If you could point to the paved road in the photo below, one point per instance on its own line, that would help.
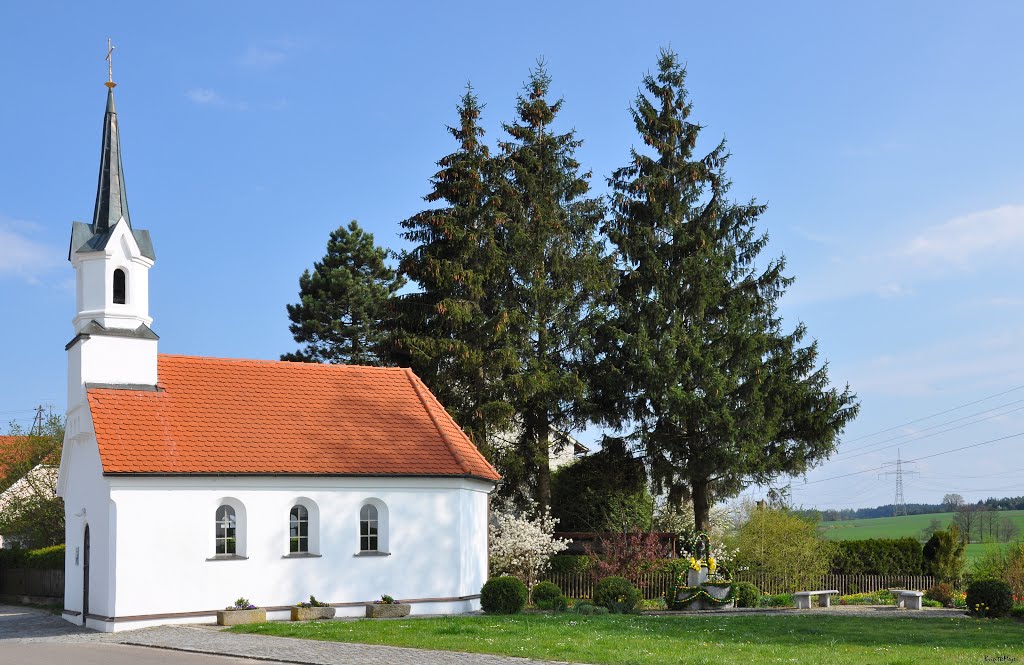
(34, 637)
(59, 653)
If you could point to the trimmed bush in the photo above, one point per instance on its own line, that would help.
(570, 563)
(587, 608)
(989, 598)
(941, 592)
(777, 600)
(556, 604)
(503, 595)
(617, 595)
(545, 592)
(746, 594)
(44, 558)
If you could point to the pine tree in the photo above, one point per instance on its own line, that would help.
(557, 270)
(696, 366)
(453, 331)
(343, 302)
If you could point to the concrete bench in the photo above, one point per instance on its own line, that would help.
(803, 598)
(907, 598)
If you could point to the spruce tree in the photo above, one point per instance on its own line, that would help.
(557, 271)
(696, 367)
(343, 302)
(453, 330)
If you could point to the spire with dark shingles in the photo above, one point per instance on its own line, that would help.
(111, 197)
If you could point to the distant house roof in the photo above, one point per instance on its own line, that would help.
(224, 416)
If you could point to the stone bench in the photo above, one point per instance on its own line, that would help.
(803, 598)
(907, 598)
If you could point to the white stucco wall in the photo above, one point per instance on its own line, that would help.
(436, 534)
(86, 496)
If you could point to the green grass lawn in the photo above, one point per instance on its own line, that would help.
(658, 640)
(907, 526)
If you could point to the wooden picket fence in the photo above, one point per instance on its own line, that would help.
(32, 583)
(844, 584)
(657, 584)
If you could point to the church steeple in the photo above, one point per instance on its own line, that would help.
(111, 196)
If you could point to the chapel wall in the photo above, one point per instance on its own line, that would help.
(436, 533)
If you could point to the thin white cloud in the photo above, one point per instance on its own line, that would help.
(261, 57)
(987, 238)
(974, 364)
(971, 238)
(205, 97)
(24, 256)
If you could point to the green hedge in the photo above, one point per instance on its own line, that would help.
(579, 563)
(878, 556)
(46, 558)
(570, 563)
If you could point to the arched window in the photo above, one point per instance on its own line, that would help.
(226, 532)
(119, 287)
(368, 528)
(298, 530)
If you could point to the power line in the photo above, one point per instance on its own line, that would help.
(899, 505)
(917, 459)
(940, 413)
(926, 436)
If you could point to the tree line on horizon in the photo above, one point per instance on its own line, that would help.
(537, 308)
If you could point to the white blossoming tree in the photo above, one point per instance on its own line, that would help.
(521, 545)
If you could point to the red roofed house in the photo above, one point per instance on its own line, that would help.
(189, 482)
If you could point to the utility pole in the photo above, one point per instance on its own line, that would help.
(37, 422)
(899, 506)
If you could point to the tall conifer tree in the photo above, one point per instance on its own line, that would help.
(697, 368)
(343, 302)
(454, 330)
(557, 270)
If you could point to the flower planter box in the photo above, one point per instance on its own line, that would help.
(238, 617)
(312, 613)
(387, 610)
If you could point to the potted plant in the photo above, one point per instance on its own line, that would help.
(387, 608)
(314, 609)
(241, 612)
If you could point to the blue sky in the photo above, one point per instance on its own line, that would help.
(885, 137)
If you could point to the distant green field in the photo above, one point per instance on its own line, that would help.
(908, 526)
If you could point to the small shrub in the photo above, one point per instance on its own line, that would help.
(241, 604)
(313, 602)
(1017, 611)
(545, 592)
(989, 598)
(777, 600)
(570, 563)
(928, 602)
(587, 608)
(556, 604)
(941, 592)
(617, 595)
(747, 595)
(503, 595)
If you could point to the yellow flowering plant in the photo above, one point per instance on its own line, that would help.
(694, 563)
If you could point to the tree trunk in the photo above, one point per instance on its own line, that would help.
(544, 469)
(701, 505)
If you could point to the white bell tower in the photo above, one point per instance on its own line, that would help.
(113, 343)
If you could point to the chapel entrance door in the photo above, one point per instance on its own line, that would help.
(85, 575)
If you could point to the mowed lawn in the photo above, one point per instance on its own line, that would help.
(658, 640)
(908, 526)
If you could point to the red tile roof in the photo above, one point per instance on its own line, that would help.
(216, 415)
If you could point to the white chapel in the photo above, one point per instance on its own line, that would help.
(189, 481)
